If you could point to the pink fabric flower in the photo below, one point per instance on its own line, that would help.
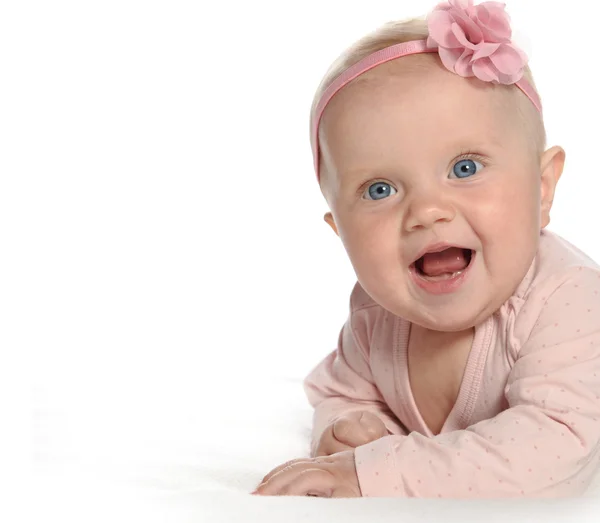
(476, 41)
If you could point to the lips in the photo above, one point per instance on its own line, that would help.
(438, 247)
(442, 272)
(448, 261)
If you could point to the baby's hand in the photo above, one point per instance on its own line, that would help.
(326, 477)
(349, 431)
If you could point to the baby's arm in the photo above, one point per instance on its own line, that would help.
(547, 443)
(343, 383)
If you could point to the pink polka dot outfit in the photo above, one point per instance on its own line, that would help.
(527, 418)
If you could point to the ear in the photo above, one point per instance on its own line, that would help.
(329, 219)
(551, 167)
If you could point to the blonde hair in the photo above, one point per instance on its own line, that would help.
(404, 31)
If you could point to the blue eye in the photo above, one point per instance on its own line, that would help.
(466, 168)
(379, 189)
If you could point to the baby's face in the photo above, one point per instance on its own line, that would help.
(428, 157)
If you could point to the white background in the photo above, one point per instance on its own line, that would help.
(162, 233)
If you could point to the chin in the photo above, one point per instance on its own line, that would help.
(444, 322)
(447, 326)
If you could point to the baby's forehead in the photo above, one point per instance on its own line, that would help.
(421, 81)
(420, 96)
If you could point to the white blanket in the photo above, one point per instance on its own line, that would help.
(180, 463)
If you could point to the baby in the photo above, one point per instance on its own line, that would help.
(469, 365)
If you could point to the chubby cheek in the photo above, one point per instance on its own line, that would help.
(508, 227)
(373, 249)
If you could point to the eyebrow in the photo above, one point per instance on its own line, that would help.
(487, 148)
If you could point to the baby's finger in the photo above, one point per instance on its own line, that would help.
(351, 432)
(328, 446)
(301, 480)
(359, 429)
(281, 467)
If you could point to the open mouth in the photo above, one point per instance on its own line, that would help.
(443, 265)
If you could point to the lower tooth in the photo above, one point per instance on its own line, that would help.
(446, 277)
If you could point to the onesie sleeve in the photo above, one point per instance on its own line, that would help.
(546, 443)
(343, 381)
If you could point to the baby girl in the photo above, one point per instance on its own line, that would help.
(469, 365)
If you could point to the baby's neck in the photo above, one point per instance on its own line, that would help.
(431, 339)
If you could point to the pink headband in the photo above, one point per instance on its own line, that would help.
(470, 40)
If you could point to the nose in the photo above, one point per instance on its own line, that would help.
(426, 210)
